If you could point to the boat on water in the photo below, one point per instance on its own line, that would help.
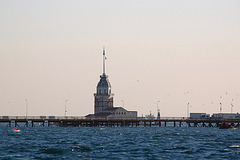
(225, 126)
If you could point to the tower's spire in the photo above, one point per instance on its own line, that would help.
(104, 58)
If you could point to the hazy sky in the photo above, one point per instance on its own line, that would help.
(173, 51)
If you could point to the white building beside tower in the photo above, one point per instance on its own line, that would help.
(103, 100)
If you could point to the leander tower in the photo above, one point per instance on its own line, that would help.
(103, 96)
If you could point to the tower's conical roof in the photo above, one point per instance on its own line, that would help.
(104, 82)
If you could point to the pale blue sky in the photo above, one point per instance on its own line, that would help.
(51, 51)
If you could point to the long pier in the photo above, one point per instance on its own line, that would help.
(43, 121)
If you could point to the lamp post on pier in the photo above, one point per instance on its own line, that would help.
(158, 111)
(220, 107)
(66, 108)
(26, 108)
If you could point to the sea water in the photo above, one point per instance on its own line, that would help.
(119, 143)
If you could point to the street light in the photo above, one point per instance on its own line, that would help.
(188, 107)
(66, 108)
(123, 103)
(26, 108)
(221, 116)
(220, 107)
(158, 111)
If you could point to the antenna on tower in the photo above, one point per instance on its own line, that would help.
(104, 58)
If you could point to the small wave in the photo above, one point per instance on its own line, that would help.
(82, 148)
(180, 148)
(224, 150)
(82, 156)
(59, 142)
(234, 146)
(189, 152)
(53, 151)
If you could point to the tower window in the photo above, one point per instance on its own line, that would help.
(105, 91)
(100, 91)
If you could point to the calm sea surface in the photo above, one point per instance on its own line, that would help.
(119, 143)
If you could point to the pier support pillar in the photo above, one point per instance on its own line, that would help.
(203, 124)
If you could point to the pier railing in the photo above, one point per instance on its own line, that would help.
(42, 117)
(82, 117)
(114, 118)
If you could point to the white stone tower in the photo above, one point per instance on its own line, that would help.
(104, 96)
